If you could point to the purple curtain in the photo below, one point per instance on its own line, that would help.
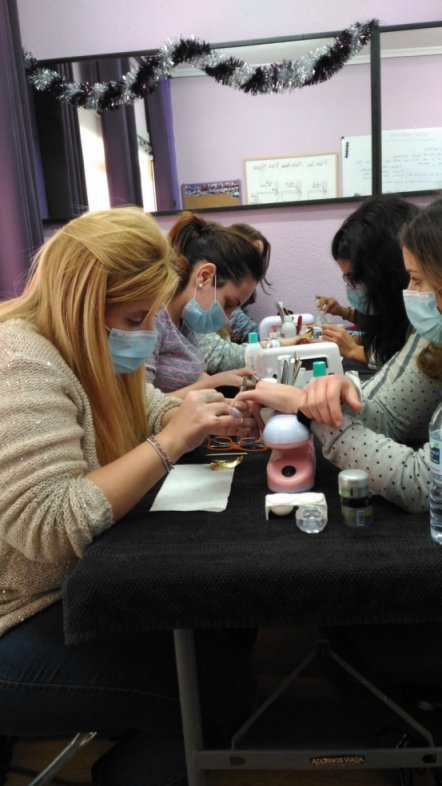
(119, 137)
(20, 224)
(160, 123)
(58, 154)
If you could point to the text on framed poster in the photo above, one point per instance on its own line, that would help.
(291, 179)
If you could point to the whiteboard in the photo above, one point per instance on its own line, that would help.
(411, 161)
(291, 179)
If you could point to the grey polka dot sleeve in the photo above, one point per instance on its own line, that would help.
(398, 403)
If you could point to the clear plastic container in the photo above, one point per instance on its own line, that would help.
(311, 518)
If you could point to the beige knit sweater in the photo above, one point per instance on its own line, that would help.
(49, 511)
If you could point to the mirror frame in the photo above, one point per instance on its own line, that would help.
(376, 118)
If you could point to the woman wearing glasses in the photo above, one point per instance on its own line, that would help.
(385, 431)
(368, 253)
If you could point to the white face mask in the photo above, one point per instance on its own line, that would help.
(421, 308)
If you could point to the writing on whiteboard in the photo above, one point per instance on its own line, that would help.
(411, 161)
(290, 179)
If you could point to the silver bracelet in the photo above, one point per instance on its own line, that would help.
(167, 461)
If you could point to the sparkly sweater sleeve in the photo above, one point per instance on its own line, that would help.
(49, 510)
(157, 405)
(220, 354)
(398, 412)
(241, 324)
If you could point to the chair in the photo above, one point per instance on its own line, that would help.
(45, 776)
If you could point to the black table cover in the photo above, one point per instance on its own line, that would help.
(169, 570)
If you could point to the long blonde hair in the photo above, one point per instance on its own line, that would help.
(96, 260)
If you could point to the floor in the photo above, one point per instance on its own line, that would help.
(311, 713)
(33, 755)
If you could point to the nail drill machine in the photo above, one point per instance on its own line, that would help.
(292, 463)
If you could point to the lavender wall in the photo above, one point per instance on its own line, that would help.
(301, 263)
(68, 28)
(409, 85)
(232, 127)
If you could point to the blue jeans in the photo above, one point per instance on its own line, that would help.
(126, 688)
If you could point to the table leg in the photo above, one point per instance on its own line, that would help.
(189, 702)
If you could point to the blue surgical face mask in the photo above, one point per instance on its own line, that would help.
(204, 321)
(130, 348)
(357, 297)
(421, 308)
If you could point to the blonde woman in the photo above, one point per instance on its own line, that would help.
(82, 440)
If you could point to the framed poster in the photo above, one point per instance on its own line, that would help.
(221, 193)
(291, 179)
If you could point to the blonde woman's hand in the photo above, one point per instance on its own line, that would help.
(205, 412)
(323, 397)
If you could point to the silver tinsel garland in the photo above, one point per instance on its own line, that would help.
(317, 66)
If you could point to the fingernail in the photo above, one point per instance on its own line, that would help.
(235, 412)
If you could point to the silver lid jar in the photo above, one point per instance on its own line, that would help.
(353, 483)
(356, 501)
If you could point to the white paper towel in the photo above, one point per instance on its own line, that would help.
(195, 487)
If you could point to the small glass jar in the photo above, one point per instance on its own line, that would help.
(356, 500)
(311, 518)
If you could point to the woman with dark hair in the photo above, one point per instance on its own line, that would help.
(383, 427)
(367, 250)
(218, 270)
(241, 323)
(225, 350)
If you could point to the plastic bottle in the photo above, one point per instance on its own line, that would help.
(288, 328)
(436, 475)
(317, 327)
(253, 348)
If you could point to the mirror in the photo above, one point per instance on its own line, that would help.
(197, 144)
(281, 147)
(411, 65)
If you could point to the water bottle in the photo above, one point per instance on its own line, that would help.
(436, 475)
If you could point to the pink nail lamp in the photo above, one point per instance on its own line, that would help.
(292, 463)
